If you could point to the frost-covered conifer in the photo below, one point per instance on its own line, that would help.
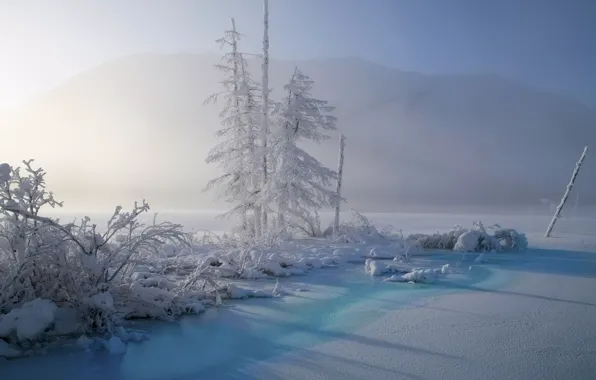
(300, 185)
(236, 154)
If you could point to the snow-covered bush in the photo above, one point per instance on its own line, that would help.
(359, 229)
(476, 239)
(510, 239)
(76, 266)
(438, 240)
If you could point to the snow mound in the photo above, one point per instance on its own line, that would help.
(428, 276)
(378, 268)
(84, 341)
(8, 350)
(476, 239)
(30, 321)
(114, 346)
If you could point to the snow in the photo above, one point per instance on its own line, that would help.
(515, 315)
(84, 341)
(8, 350)
(467, 242)
(114, 346)
(101, 301)
(29, 321)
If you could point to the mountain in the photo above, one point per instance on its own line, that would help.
(136, 127)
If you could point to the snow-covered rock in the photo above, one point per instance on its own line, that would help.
(114, 346)
(328, 262)
(236, 292)
(66, 321)
(378, 268)
(8, 350)
(421, 275)
(29, 321)
(273, 268)
(261, 294)
(196, 307)
(315, 263)
(84, 341)
(374, 268)
(445, 269)
(468, 242)
(377, 253)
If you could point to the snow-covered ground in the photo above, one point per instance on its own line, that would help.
(518, 315)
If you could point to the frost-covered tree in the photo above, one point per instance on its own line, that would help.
(237, 153)
(301, 184)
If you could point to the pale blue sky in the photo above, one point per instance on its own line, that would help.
(547, 43)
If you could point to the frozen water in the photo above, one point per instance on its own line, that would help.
(221, 342)
(517, 315)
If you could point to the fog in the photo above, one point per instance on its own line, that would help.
(135, 127)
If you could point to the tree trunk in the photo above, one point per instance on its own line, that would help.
(340, 171)
(265, 110)
(566, 195)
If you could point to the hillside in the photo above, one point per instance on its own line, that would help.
(136, 127)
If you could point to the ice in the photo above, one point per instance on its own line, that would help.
(514, 316)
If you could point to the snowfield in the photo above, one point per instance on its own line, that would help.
(341, 310)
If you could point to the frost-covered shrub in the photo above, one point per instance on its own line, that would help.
(76, 266)
(309, 223)
(438, 240)
(476, 239)
(511, 240)
(359, 229)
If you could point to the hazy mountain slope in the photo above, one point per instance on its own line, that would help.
(137, 127)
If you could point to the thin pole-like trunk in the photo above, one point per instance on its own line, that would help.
(265, 104)
(340, 171)
(235, 73)
(566, 195)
